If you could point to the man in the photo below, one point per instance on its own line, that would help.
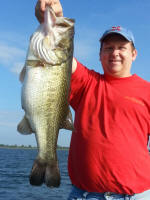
(108, 157)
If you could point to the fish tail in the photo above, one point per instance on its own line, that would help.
(43, 172)
(52, 174)
(37, 172)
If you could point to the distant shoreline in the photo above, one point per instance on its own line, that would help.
(27, 147)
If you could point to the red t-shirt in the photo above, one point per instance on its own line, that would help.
(108, 150)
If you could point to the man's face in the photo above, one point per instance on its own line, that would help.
(117, 55)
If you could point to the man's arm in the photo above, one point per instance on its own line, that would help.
(74, 65)
(56, 6)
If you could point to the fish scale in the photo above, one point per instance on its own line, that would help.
(45, 93)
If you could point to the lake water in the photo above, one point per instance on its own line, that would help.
(15, 167)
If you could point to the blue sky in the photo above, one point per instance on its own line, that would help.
(17, 23)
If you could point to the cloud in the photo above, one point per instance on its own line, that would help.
(17, 67)
(14, 38)
(12, 51)
(11, 57)
(9, 53)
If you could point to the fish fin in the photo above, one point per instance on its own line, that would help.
(68, 123)
(37, 173)
(43, 172)
(24, 127)
(22, 74)
(52, 174)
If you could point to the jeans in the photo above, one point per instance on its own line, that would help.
(78, 194)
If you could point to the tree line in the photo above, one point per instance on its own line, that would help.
(28, 146)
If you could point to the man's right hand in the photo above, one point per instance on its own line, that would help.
(41, 5)
(56, 6)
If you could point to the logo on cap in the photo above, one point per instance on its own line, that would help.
(116, 28)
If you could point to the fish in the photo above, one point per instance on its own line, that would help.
(45, 91)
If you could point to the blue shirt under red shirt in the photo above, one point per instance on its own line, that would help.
(108, 150)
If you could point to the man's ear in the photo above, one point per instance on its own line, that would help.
(134, 54)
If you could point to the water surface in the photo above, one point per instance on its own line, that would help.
(15, 167)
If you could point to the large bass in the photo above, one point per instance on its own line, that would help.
(45, 91)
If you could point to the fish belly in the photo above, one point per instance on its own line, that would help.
(45, 101)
